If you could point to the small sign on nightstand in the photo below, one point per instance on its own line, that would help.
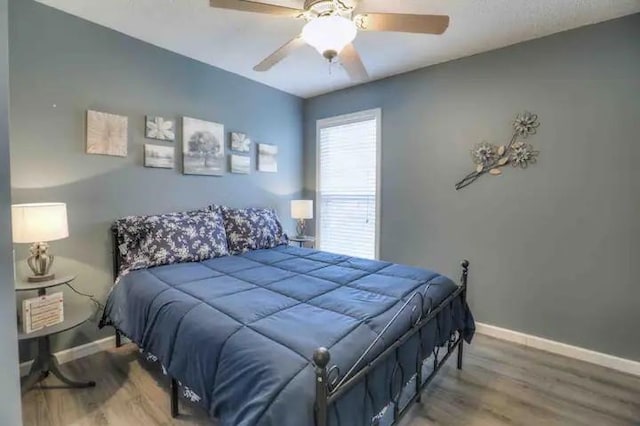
(42, 311)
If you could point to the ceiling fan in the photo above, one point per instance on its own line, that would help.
(332, 25)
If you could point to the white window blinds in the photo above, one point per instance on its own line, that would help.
(347, 185)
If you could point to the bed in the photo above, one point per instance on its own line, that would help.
(290, 336)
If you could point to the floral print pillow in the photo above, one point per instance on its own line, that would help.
(146, 241)
(251, 229)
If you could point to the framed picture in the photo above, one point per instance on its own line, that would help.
(159, 157)
(240, 142)
(159, 128)
(203, 147)
(240, 164)
(267, 158)
(107, 134)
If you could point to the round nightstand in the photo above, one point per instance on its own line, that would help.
(304, 240)
(46, 362)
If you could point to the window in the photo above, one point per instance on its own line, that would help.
(348, 179)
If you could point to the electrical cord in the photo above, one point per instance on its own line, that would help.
(95, 301)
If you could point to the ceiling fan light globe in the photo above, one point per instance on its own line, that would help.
(329, 34)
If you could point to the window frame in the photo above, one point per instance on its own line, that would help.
(340, 120)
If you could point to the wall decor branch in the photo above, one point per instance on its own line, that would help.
(490, 158)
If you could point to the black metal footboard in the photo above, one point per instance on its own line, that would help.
(329, 387)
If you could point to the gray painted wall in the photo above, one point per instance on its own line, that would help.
(552, 247)
(60, 60)
(10, 413)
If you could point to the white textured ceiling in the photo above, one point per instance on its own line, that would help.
(236, 41)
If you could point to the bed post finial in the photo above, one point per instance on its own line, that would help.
(465, 271)
(321, 358)
(463, 295)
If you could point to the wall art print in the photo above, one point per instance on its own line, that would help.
(490, 158)
(240, 142)
(107, 134)
(159, 157)
(203, 147)
(267, 158)
(162, 129)
(240, 164)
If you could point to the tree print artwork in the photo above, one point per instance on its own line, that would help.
(203, 147)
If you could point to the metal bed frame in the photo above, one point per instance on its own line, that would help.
(330, 387)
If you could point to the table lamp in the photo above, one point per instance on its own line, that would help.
(38, 224)
(301, 210)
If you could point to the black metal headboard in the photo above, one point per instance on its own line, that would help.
(115, 250)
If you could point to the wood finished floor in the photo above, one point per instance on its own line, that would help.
(501, 384)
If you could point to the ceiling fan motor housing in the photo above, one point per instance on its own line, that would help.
(308, 4)
(328, 7)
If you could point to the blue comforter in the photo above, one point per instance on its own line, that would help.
(240, 331)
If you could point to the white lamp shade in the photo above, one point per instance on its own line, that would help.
(39, 222)
(302, 209)
(329, 33)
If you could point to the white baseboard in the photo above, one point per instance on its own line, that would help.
(76, 352)
(598, 358)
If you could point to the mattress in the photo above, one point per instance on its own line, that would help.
(239, 332)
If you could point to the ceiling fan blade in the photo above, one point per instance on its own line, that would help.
(279, 54)
(252, 6)
(400, 22)
(352, 63)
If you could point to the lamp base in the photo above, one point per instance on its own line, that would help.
(300, 227)
(40, 278)
(40, 263)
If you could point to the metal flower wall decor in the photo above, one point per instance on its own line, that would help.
(490, 158)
